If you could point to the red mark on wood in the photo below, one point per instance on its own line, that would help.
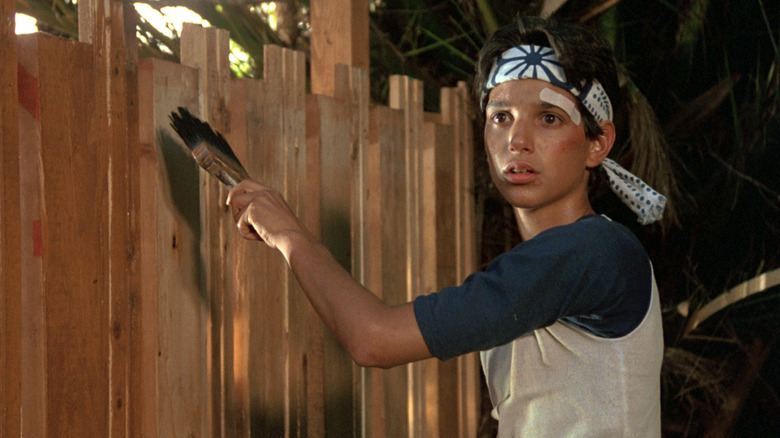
(28, 92)
(37, 239)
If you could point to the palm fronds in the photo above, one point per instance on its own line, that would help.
(58, 17)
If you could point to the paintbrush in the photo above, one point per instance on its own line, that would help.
(209, 148)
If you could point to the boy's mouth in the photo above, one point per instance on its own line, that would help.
(518, 168)
(519, 173)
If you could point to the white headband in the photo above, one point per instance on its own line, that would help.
(539, 62)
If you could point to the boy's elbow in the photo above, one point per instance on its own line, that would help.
(368, 360)
(367, 354)
(385, 342)
(370, 351)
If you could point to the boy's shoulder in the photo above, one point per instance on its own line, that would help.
(594, 234)
(595, 226)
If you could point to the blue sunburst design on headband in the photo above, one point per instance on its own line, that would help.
(536, 62)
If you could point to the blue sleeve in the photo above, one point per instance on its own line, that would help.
(593, 274)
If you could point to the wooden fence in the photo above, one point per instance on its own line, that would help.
(130, 306)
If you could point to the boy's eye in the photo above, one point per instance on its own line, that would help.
(499, 117)
(550, 118)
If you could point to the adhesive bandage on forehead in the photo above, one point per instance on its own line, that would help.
(539, 62)
(553, 97)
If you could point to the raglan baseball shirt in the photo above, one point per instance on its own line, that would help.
(569, 329)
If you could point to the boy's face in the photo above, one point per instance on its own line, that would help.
(536, 147)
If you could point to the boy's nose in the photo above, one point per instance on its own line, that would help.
(519, 139)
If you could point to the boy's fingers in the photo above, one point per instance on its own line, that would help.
(246, 228)
(234, 202)
(247, 231)
(242, 187)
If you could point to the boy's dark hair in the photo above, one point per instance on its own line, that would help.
(583, 54)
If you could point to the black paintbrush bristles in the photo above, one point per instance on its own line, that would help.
(209, 148)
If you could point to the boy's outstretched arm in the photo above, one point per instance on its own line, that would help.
(374, 334)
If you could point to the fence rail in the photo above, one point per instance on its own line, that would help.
(130, 306)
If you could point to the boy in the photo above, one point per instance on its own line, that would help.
(568, 322)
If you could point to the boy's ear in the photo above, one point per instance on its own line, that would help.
(600, 146)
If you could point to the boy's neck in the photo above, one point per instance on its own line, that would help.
(532, 222)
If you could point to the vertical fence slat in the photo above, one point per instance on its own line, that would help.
(305, 336)
(145, 306)
(122, 133)
(429, 276)
(11, 318)
(406, 94)
(173, 303)
(329, 124)
(245, 94)
(271, 308)
(340, 35)
(387, 135)
(352, 86)
(258, 138)
(455, 112)
(95, 29)
(103, 25)
(367, 223)
(33, 353)
(72, 222)
(207, 50)
(446, 188)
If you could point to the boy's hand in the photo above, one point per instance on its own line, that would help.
(261, 213)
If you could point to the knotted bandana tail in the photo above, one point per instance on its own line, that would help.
(642, 199)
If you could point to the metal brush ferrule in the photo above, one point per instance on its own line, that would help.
(215, 166)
